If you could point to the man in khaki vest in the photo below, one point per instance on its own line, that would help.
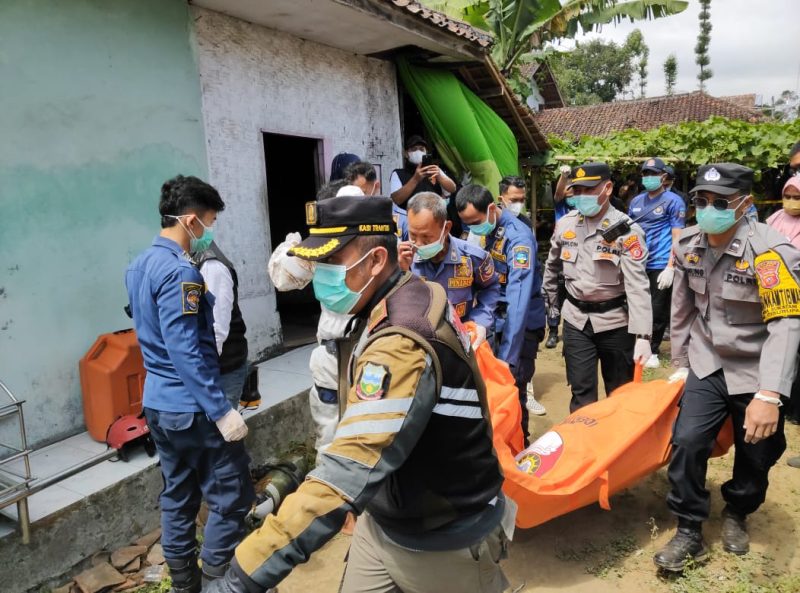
(412, 454)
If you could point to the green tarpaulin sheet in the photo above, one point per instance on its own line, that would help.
(468, 135)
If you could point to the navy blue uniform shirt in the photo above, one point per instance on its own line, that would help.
(174, 322)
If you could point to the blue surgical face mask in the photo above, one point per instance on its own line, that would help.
(715, 222)
(330, 286)
(431, 249)
(587, 205)
(651, 182)
(483, 228)
(201, 243)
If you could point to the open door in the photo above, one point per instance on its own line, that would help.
(294, 171)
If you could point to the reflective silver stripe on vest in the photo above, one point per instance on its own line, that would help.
(458, 411)
(381, 406)
(369, 427)
(461, 394)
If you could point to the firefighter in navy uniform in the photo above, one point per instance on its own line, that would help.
(413, 452)
(734, 334)
(607, 313)
(197, 434)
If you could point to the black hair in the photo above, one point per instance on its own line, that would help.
(509, 181)
(795, 149)
(181, 195)
(389, 242)
(360, 169)
(474, 194)
(330, 189)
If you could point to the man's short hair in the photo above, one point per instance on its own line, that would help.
(388, 241)
(511, 181)
(180, 195)
(427, 200)
(795, 149)
(330, 189)
(360, 169)
(474, 194)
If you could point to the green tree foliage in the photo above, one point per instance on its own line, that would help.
(702, 58)
(670, 73)
(639, 53)
(593, 72)
(760, 146)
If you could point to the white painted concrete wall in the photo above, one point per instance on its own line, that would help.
(255, 80)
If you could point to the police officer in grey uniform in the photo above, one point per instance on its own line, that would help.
(607, 314)
(734, 335)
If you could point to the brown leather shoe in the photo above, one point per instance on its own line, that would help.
(734, 533)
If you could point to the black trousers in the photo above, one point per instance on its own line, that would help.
(704, 407)
(661, 301)
(582, 350)
(524, 370)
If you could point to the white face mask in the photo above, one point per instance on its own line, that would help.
(415, 156)
(515, 208)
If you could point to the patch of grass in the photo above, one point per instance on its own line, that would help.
(735, 575)
(601, 559)
(162, 587)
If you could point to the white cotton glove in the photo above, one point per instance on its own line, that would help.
(288, 272)
(480, 336)
(665, 278)
(679, 375)
(232, 426)
(641, 351)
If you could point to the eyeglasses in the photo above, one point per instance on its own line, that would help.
(718, 203)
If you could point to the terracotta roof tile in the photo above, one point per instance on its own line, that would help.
(644, 114)
(460, 28)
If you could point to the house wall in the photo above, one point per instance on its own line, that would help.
(255, 79)
(100, 104)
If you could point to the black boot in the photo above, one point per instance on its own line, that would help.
(212, 573)
(185, 575)
(734, 533)
(250, 397)
(686, 543)
(552, 338)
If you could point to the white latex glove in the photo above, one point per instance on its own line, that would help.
(679, 375)
(288, 272)
(480, 336)
(293, 239)
(565, 169)
(641, 351)
(232, 426)
(665, 278)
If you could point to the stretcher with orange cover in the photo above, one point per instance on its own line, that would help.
(592, 454)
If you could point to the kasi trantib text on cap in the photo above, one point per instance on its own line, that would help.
(334, 222)
(589, 174)
(723, 178)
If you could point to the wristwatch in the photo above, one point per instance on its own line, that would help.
(643, 337)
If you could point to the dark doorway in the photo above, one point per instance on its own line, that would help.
(294, 174)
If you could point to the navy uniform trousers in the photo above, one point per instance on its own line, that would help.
(704, 406)
(197, 463)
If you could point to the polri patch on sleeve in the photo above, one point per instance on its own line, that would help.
(634, 247)
(521, 257)
(777, 286)
(373, 381)
(190, 297)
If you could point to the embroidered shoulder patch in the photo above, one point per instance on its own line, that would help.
(777, 287)
(522, 257)
(634, 247)
(373, 381)
(190, 297)
(486, 269)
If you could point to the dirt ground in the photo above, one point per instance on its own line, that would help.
(591, 550)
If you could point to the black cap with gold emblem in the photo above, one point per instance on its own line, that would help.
(589, 174)
(333, 223)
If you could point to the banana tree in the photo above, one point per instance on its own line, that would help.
(522, 27)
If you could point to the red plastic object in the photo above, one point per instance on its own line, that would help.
(112, 381)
